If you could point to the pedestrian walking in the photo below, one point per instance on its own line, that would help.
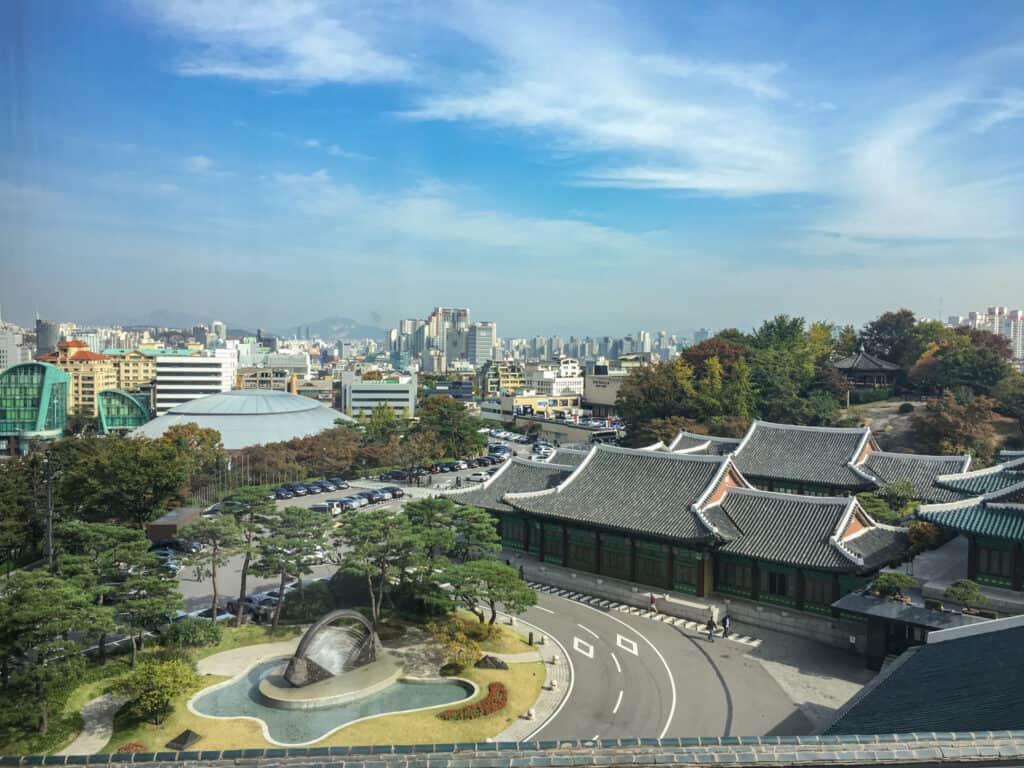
(726, 625)
(522, 573)
(654, 603)
(711, 627)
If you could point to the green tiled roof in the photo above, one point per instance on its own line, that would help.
(982, 481)
(979, 517)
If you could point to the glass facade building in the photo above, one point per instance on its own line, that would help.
(121, 411)
(33, 405)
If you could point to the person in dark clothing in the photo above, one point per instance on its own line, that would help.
(522, 573)
(726, 625)
(711, 627)
(654, 603)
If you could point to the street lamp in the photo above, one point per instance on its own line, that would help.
(50, 475)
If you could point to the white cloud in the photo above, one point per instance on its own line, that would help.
(685, 123)
(311, 143)
(1006, 107)
(198, 164)
(287, 41)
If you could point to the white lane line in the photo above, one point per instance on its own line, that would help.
(618, 701)
(587, 629)
(617, 665)
(542, 608)
(671, 677)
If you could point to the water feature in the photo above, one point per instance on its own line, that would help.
(241, 698)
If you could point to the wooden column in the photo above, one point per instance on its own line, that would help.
(801, 583)
(565, 545)
(632, 559)
(972, 558)
(671, 579)
(540, 543)
(755, 580)
(702, 566)
(597, 553)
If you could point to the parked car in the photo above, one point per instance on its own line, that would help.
(282, 494)
(327, 485)
(479, 477)
(339, 481)
(252, 604)
(419, 471)
(222, 614)
(297, 489)
(395, 491)
(314, 488)
(349, 504)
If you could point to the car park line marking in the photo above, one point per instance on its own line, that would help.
(627, 644)
(618, 701)
(587, 629)
(582, 647)
(617, 665)
(542, 608)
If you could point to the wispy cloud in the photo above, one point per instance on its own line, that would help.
(679, 122)
(297, 42)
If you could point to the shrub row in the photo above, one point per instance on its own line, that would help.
(496, 699)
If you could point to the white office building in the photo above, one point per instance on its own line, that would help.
(182, 378)
(481, 343)
(360, 396)
(13, 349)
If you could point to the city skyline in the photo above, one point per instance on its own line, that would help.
(610, 168)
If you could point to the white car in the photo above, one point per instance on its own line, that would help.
(479, 477)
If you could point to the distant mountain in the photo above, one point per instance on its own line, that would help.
(332, 328)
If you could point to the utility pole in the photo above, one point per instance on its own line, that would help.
(49, 510)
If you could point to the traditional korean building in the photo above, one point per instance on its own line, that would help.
(688, 523)
(992, 521)
(815, 461)
(690, 442)
(923, 472)
(864, 371)
(570, 457)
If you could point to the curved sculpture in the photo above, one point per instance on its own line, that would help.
(325, 651)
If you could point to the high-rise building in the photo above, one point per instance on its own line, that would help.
(1002, 321)
(135, 370)
(47, 337)
(219, 330)
(13, 349)
(481, 342)
(182, 378)
(90, 372)
(701, 335)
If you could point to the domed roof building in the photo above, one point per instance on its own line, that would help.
(246, 417)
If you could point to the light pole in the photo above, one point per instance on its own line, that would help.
(49, 508)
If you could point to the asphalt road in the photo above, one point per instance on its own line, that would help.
(633, 677)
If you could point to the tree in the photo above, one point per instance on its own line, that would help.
(893, 583)
(202, 448)
(99, 558)
(455, 428)
(986, 340)
(898, 494)
(294, 536)
(847, 344)
(965, 592)
(255, 514)
(377, 545)
(978, 369)
(821, 341)
(219, 537)
(656, 391)
(124, 480)
(38, 613)
(782, 331)
(891, 337)
(490, 582)
(152, 687)
(739, 397)
(1009, 394)
(725, 351)
(151, 598)
(381, 424)
(710, 391)
(948, 426)
(460, 650)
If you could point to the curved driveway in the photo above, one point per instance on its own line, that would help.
(635, 677)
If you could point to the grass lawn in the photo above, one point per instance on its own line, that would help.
(523, 681)
(247, 634)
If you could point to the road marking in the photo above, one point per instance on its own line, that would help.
(582, 646)
(661, 657)
(587, 629)
(596, 737)
(617, 665)
(572, 680)
(542, 608)
(627, 644)
(618, 701)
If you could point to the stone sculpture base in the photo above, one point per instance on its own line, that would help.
(278, 692)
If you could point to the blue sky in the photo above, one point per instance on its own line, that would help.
(575, 167)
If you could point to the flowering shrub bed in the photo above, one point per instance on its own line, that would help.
(496, 699)
(131, 746)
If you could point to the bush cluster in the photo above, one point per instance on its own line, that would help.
(131, 747)
(192, 633)
(496, 699)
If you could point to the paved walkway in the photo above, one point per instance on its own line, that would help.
(550, 699)
(97, 726)
(238, 660)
